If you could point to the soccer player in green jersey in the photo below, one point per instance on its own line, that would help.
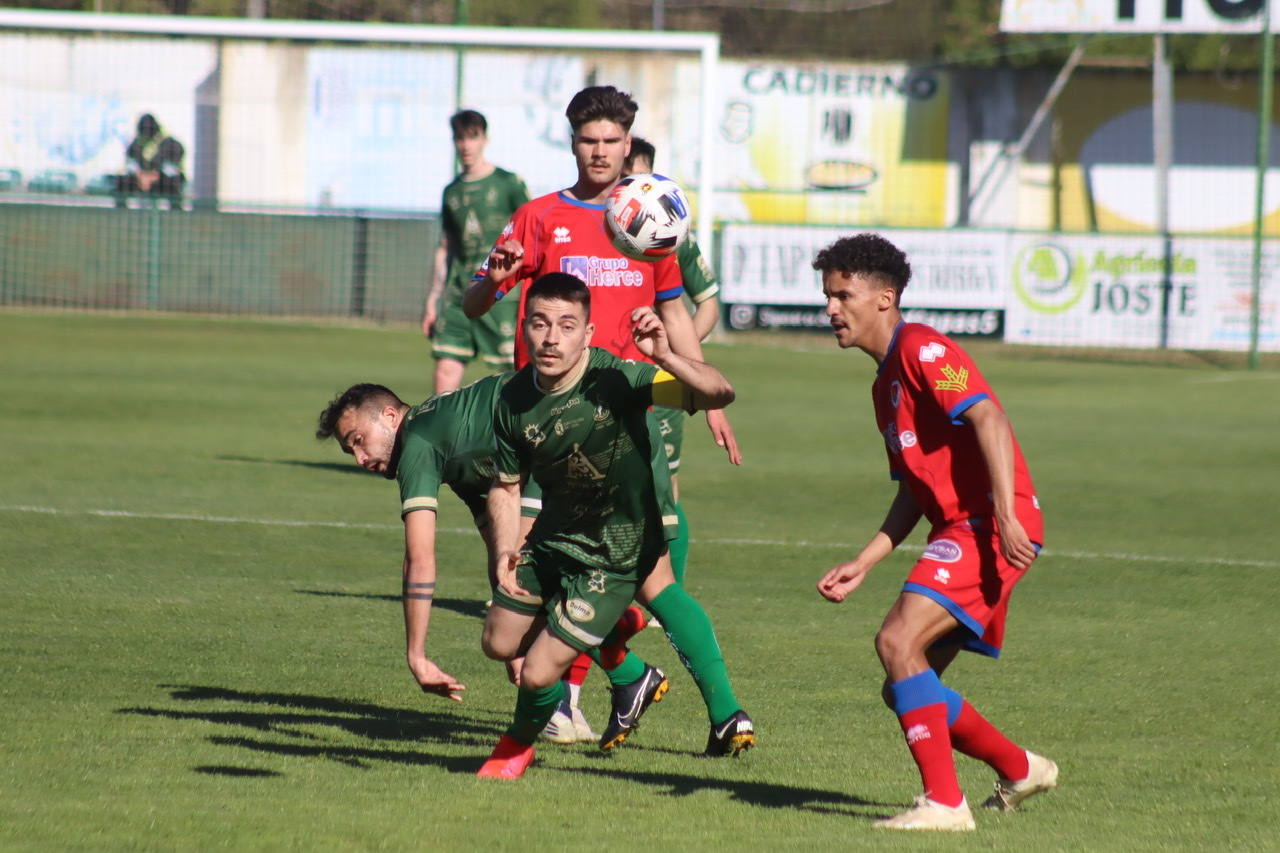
(446, 440)
(576, 422)
(475, 207)
(701, 286)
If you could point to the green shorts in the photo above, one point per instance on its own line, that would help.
(671, 425)
(581, 603)
(492, 336)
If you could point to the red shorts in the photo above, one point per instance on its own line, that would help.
(963, 570)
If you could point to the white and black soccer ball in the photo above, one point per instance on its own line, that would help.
(647, 217)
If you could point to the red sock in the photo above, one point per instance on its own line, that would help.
(631, 623)
(578, 669)
(975, 737)
(930, 744)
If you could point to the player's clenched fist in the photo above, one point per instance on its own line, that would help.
(505, 259)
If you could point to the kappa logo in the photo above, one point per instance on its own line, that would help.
(907, 439)
(918, 732)
(560, 234)
(895, 393)
(932, 351)
(943, 551)
(579, 610)
(942, 576)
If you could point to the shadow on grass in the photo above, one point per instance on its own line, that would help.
(340, 467)
(227, 770)
(461, 606)
(752, 793)
(295, 716)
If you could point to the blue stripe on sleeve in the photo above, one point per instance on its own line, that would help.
(671, 293)
(964, 405)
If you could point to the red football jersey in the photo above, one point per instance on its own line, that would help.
(561, 234)
(922, 387)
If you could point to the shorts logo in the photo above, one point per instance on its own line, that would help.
(601, 414)
(932, 351)
(597, 582)
(918, 732)
(908, 438)
(943, 551)
(954, 380)
(895, 393)
(670, 449)
(560, 234)
(942, 576)
(579, 610)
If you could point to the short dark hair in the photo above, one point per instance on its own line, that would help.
(596, 103)
(641, 147)
(866, 254)
(467, 120)
(560, 285)
(363, 395)
(148, 126)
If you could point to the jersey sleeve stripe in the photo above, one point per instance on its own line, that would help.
(531, 503)
(418, 503)
(964, 405)
(670, 293)
(507, 478)
(703, 296)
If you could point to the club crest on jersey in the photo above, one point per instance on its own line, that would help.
(943, 551)
(596, 582)
(560, 234)
(895, 393)
(953, 379)
(602, 272)
(932, 351)
(601, 415)
(534, 434)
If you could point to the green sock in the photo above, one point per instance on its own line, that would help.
(627, 672)
(680, 546)
(691, 635)
(533, 709)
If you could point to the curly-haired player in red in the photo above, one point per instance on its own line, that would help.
(952, 450)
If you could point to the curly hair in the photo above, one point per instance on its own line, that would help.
(866, 254)
(597, 103)
(363, 395)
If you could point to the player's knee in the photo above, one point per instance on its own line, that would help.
(886, 694)
(893, 645)
(496, 646)
(537, 678)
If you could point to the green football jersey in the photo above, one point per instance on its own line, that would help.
(473, 214)
(448, 440)
(699, 279)
(591, 449)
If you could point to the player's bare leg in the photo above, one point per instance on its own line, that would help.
(691, 634)
(448, 375)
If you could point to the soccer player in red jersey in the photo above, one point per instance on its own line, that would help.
(563, 232)
(952, 450)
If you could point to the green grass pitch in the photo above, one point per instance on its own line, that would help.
(202, 646)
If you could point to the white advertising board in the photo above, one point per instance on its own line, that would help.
(772, 265)
(1106, 291)
(1135, 16)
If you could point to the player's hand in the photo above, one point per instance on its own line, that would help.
(505, 260)
(840, 581)
(649, 334)
(722, 432)
(506, 573)
(429, 323)
(1015, 544)
(433, 679)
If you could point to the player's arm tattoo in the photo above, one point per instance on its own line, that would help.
(420, 591)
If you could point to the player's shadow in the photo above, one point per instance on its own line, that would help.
(765, 794)
(340, 467)
(300, 719)
(461, 606)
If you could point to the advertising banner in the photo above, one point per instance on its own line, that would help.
(1135, 16)
(833, 143)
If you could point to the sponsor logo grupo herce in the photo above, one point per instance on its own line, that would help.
(943, 551)
(602, 272)
(1047, 279)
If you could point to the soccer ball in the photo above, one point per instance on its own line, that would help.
(646, 217)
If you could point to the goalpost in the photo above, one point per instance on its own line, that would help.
(341, 119)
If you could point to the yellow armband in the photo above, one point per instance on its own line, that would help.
(671, 392)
